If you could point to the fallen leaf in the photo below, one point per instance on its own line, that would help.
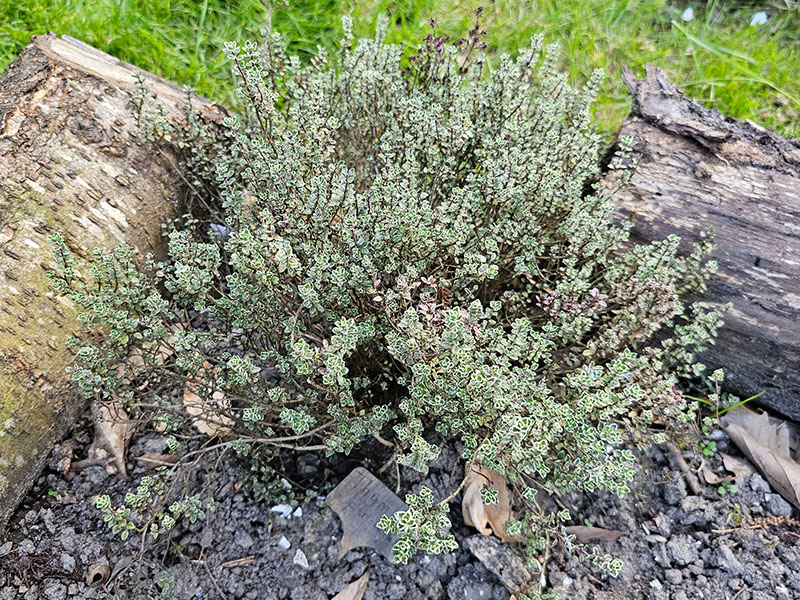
(768, 443)
(207, 416)
(97, 573)
(740, 467)
(487, 518)
(583, 533)
(136, 365)
(355, 590)
(112, 430)
(711, 477)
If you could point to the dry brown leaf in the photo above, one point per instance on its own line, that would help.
(206, 416)
(768, 443)
(711, 477)
(487, 518)
(740, 467)
(135, 363)
(583, 533)
(354, 590)
(112, 430)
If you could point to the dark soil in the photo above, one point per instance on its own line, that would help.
(676, 545)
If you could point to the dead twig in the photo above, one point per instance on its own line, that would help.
(679, 464)
(238, 562)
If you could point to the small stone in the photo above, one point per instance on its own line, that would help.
(654, 538)
(298, 513)
(674, 492)
(478, 591)
(656, 584)
(718, 435)
(695, 511)
(207, 540)
(673, 576)
(664, 524)
(759, 18)
(778, 506)
(283, 510)
(67, 562)
(26, 547)
(243, 539)
(682, 549)
(284, 543)
(54, 591)
(300, 559)
(758, 483)
(395, 591)
(49, 520)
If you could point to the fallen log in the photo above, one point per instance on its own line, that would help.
(698, 170)
(71, 161)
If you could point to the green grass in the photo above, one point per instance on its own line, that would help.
(746, 72)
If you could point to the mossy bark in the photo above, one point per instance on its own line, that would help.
(71, 160)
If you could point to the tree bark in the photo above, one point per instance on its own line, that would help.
(698, 170)
(71, 161)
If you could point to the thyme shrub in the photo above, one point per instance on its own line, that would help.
(410, 244)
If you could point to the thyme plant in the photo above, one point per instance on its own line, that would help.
(409, 243)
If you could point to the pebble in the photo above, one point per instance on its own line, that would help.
(243, 539)
(758, 483)
(674, 492)
(478, 591)
(283, 510)
(54, 591)
(26, 547)
(284, 543)
(682, 549)
(298, 513)
(673, 576)
(300, 559)
(777, 506)
(718, 435)
(67, 562)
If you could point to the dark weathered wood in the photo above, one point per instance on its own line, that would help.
(71, 161)
(697, 170)
(361, 500)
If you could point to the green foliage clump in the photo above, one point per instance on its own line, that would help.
(410, 244)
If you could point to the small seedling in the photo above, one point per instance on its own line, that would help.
(727, 487)
(708, 448)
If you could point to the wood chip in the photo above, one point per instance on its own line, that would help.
(361, 500)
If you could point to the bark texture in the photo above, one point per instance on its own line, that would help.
(698, 170)
(70, 161)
